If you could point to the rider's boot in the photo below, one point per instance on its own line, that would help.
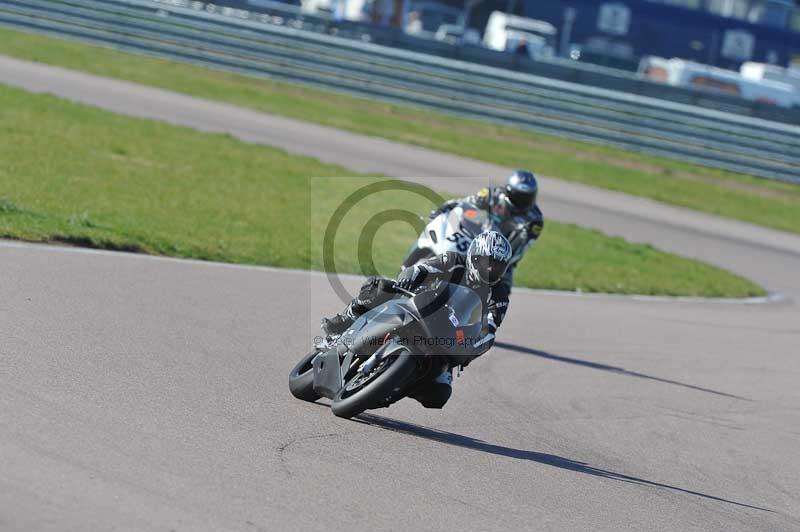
(436, 393)
(337, 324)
(374, 291)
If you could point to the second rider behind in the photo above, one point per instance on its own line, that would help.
(485, 264)
(515, 201)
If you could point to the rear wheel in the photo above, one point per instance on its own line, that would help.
(301, 378)
(362, 391)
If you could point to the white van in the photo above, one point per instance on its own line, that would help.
(337, 9)
(688, 74)
(424, 19)
(763, 71)
(506, 32)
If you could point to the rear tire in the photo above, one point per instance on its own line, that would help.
(301, 379)
(398, 369)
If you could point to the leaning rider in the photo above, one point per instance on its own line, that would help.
(515, 201)
(481, 270)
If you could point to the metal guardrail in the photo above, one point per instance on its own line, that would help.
(266, 48)
(606, 77)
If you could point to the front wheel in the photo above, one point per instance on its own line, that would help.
(301, 379)
(362, 392)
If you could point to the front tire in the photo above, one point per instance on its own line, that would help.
(301, 379)
(357, 396)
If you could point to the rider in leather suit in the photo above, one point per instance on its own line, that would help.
(481, 269)
(516, 202)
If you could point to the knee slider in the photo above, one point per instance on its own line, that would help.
(435, 396)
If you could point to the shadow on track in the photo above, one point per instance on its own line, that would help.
(451, 438)
(612, 369)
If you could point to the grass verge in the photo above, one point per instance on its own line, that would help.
(76, 174)
(746, 198)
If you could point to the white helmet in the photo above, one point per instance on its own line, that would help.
(488, 258)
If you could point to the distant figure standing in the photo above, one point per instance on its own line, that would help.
(413, 22)
(522, 47)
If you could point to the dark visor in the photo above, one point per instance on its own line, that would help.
(489, 269)
(522, 200)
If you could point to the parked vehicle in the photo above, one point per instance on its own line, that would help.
(512, 33)
(763, 71)
(424, 19)
(456, 34)
(682, 73)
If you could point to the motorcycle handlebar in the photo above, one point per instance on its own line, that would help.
(403, 290)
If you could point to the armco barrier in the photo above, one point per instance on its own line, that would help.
(284, 48)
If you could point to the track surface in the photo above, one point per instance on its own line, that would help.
(139, 393)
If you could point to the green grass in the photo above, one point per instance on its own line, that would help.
(77, 174)
(759, 201)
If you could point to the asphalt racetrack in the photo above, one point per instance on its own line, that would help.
(142, 393)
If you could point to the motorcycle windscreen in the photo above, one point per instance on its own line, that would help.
(465, 305)
(473, 221)
(371, 329)
(450, 319)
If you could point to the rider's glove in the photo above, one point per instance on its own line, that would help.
(410, 277)
(534, 230)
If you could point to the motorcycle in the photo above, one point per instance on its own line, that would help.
(392, 350)
(455, 229)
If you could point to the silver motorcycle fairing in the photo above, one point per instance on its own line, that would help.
(448, 312)
(451, 231)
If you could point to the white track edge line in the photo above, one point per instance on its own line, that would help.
(761, 300)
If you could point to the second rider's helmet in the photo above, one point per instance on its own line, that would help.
(521, 191)
(488, 258)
